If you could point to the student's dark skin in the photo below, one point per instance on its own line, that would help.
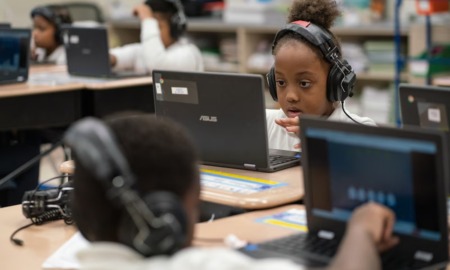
(44, 35)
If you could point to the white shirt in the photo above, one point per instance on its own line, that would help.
(58, 56)
(114, 256)
(279, 138)
(151, 54)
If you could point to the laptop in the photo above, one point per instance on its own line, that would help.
(425, 106)
(87, 53)
(14, 55)
(5, 25)
(225, 114)
(346, 165)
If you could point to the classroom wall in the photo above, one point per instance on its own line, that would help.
(17, 12)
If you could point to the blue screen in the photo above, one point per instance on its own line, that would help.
(349, 169)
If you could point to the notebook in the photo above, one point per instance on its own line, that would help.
(87, 53)
(426, 106)
(225, 114)
(14, 55)
(346, 165)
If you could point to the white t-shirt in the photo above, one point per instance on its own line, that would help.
(151, 54)
(279, 138)
(58, 56)
(113, 256)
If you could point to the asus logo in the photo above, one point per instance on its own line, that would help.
(207, 118)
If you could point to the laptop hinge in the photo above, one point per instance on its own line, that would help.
(250, 166)
(325, 234)
(423, 256)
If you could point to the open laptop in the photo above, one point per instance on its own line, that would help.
(426, 106)
(14, 55)
(225, 114)
(5, 25)
(87, 53)
(346, 165)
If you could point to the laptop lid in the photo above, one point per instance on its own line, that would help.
(87, 51)
(5, 25)
(225, 114)
(426, 107)
(14, 55)
(346, 165)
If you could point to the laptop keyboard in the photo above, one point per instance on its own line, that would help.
(277, 160)
(301, 244)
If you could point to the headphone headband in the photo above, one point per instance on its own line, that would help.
(314, 34)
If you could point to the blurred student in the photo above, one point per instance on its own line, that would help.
(162, 45)
(309, 75)
(136, 198)
(47, 43)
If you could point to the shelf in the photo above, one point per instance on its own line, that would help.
(379, 76)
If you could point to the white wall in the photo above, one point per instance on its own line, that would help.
(17, 12)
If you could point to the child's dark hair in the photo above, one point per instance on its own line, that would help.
(161, 156)
(162, 6)
(319, 12)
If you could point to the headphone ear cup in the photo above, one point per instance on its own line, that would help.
(169, 236)
(341, 80)
(272, 83)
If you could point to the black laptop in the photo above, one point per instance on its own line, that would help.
(87, 53)
(14, 55)
(225, 113)
(425, 106)
(346, 165)
(5, 25)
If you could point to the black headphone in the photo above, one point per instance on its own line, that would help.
(178, 21)
(152, 224)
(341, 77)
(53, 14)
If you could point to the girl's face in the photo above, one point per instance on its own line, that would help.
(44, 33)
(301, 79)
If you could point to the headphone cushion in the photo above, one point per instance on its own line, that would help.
(272, 83)
(333, 82)
(168, 238)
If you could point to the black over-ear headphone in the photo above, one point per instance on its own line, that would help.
(54, 16)
(178, 21)
(152, 224)
(341, 77)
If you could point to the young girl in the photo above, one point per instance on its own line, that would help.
(162, 24)
(309, 75)
(48, 45)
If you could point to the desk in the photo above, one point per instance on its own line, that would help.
(41, 241)
(442, 81)
(293, 191)
(58, 103)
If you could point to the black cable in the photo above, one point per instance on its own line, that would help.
(343, 109)
(17, 241)
(28, 164)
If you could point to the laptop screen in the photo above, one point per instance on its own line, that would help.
(14, 51)
(395, 168)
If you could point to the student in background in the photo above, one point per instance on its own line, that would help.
(160, 168)
(47, 41)
(306, 79)
(163, 23)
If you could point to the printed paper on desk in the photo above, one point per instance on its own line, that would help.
(65, 256)
(236, 183)
(292, 219)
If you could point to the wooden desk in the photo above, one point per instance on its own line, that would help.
(289, 193)
(41, 241)
(442, 81)
(49, 100)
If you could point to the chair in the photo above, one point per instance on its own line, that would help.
(84, 12)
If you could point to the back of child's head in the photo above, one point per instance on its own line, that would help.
(161, 157)
(319, 12)
(173, 12)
